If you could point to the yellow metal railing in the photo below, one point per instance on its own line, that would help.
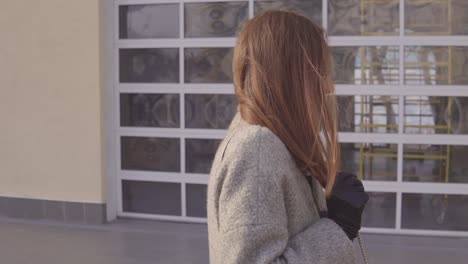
(368, 103)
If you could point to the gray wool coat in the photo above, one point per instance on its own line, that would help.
(261, 208)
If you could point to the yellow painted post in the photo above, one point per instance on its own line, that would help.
(362, 16)
(371, 111)
(362, 124)
(361, 161)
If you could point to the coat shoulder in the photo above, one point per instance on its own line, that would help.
(255, 145)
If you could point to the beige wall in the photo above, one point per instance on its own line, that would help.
(50, 108)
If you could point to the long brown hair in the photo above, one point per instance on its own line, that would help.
(282, 78)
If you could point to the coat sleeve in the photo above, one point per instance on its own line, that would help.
(253, 224)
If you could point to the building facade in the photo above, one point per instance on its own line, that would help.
(401, 75)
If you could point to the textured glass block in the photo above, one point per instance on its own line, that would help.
(309, 8)
(366, 113)
(366, 65)
(436, 115)
(196, 199)
(208, 65)
(370, 161)
(435, 163)
(380, 210)
(163, 198)
(149, 65)
(428, 65)
(150, 153)
(446, 17)
(199, 154)
(149, 21)
(214, 19)
(434, 211)
(209, 110)
(359, 17)
(149, 110)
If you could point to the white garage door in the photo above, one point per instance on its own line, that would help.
(401, 75)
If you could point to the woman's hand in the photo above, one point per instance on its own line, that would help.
(346, 203)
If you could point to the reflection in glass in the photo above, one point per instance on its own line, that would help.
(215, 19)
(208, 65)
(150, 153)
(434, 211)
(366, 65)
(151, 197)
(196, 200)
(209, 110)
(435, 163)
(149, 21)
(372, 162)
(199, 154)
(309, 8)
(149, 110)
(149, 65)
(358, 17)
(364, 113)
(436, 17)
(380, 210)
(436, 65)
(436, 115)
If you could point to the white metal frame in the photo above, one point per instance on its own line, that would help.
(112, 130)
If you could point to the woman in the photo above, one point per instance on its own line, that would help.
(266, 202)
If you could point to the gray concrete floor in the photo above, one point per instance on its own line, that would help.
(135, 241)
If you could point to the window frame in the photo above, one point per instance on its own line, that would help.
(112, 131)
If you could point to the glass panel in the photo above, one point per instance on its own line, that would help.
(209, 110)
(309, 8)
(216, 19)
(208, 65)
(149, 110)
(149, 65)
(196, 200)
(365, 113)
(151, 197)
(366, 65)
(380, 210)
(374, 162)
(149, 21)
(436, 65)
(446, 17)
(434, 211)
(199, 154)
(436, 115)
(435, 163)
(359, 17)
(150, 153)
